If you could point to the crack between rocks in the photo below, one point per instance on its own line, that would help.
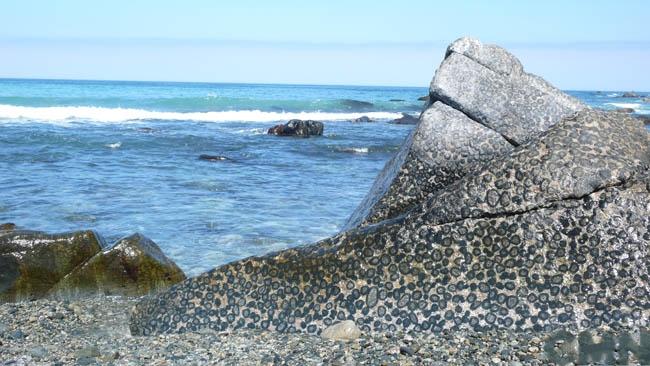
(550, 205)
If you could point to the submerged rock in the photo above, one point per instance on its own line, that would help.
(356, 104)
(36, 265)
(134, 266)
(405, 119)
(297, 127)
(477, 223)
(424, 98)
(213, 157)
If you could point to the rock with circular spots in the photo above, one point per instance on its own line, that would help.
(343, 331)
(489, 85)
(135, 265)
(445, 146)
(550, 232)
(482, 105)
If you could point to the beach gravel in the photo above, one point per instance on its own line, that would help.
(94, 331)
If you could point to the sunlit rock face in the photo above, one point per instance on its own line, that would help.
(521, 210)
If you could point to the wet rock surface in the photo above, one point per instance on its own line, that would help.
(35, 265)
(297, 127)
(511, 206)
(214, 158)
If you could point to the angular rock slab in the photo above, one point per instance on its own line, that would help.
(32, 262)
(445, 146)
(134, 266)
(563, 261)
(486, 93)
(490, 86)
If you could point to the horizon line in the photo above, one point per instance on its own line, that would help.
(373, 43)
(276, 84)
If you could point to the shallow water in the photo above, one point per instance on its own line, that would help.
(121, 157)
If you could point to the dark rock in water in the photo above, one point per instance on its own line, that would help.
(643, 117)
(630, 95)
(31, 262)
(213, 157)
(9, 226)
(134, 266)
(356, 104)
(36, 265)
(297, 127)
(424, 98)
(625, 110)
(396, 100)
(364, 119)
(406, 119)
(474, 225)
(146, 129)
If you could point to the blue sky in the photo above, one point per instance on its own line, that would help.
(574, 44)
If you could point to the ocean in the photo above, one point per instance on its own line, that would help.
(123, 157)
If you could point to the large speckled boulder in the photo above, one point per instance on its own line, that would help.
(537, 233)
(33, 262)
(134, 266)
(35, 265)
(490, 86)
(482, 104)
(445, 146)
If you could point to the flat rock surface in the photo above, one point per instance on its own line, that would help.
(95, 331)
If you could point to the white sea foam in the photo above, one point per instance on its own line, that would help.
(116, 145)
(355, 150)
(118, 115)
(626, 105)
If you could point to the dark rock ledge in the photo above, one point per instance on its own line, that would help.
(35, 265)
(511, 206)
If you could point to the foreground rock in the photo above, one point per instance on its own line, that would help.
(134, 266)
(35, 265)
(297, 127)
(95, 331)
(531, 213)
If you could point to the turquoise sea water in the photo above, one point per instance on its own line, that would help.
(121, 157)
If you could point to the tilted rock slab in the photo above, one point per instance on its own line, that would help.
(481, 105)
(563, 243)
(35, 265)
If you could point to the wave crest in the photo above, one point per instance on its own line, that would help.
(113, 115)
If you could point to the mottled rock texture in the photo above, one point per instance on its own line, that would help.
(35, 265)
(482, 93)
(134, 266)
(297, 127)
(477, 226)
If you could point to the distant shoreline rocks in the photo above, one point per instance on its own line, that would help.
(405, 119)
(297, 127)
